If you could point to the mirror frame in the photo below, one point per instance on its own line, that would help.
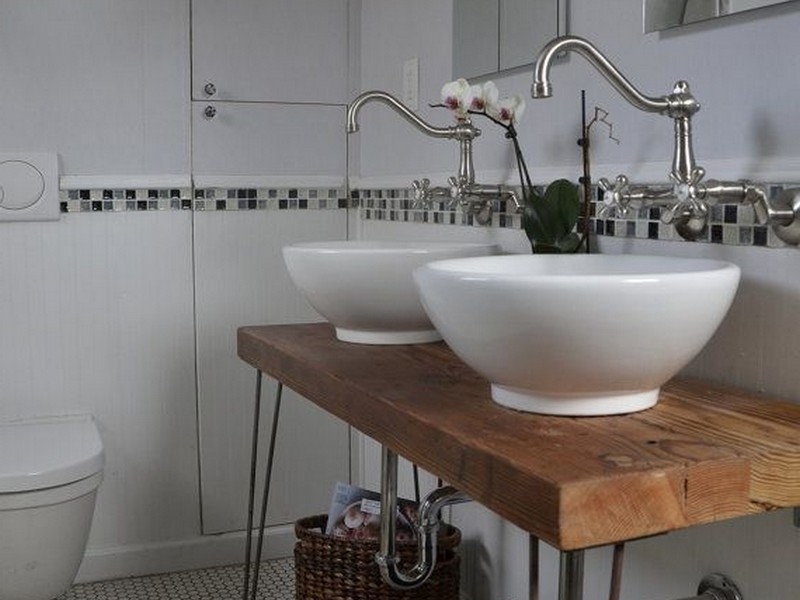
(485, 67)
(659, 15)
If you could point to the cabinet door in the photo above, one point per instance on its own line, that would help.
(266, 139)
(276, 50)
(241, 279)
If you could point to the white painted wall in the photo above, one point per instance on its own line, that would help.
(741, 69)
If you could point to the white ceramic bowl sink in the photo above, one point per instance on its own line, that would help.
(577, 334)
(366, 289)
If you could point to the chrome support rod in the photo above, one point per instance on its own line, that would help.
(252, 488)
(615, 585)
(570, 576)
(533, 567)
(252, 586)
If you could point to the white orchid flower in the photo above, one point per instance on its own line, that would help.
(455, 96)
(508, 110)
(482, 97)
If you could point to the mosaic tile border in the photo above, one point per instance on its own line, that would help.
(202, 199)
(729, 224)
(299, 198)
(396, 204)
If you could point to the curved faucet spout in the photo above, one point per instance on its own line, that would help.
(400, 108)
(679, 103)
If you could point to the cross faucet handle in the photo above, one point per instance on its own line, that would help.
(689, 202)
(421, 192)
(615, 195)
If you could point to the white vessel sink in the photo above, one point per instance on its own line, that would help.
(366, 290)
(577, 334)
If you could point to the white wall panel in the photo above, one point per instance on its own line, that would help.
(241, 280)
(286, 140)
(96, 316)
(102, 82)
(278, 51)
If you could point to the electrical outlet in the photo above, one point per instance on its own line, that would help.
(411, 83)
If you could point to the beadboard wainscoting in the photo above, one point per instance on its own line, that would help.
(127, 308)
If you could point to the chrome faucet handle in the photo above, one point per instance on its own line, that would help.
(690, 203)
(615, 195)
(458, 191)
(421, 190)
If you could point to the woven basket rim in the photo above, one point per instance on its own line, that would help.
(449, 535)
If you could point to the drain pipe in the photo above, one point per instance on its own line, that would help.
(717, 587)
(427, 528)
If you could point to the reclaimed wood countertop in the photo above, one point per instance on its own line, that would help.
(703, 453)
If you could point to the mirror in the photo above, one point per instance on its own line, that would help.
(664, 14)
(497, 35)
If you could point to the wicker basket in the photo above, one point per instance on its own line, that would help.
(328, 568)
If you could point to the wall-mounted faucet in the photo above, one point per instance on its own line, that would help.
(462, 191)
(686, 202)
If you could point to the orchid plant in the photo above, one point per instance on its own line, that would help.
(548, 220)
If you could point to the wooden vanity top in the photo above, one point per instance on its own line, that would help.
(703, 453)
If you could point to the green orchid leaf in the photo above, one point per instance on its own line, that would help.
(562, 198)
(549, 220)
(535, 223)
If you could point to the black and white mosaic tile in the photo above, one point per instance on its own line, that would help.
(270, 199)
(728, 224)
(276, 582)
(123, 200)
(202, 199)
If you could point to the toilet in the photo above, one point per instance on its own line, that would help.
(50, 469)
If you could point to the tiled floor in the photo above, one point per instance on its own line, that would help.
(276, 582)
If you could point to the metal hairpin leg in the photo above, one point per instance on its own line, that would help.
(570, 577)
(248, 591)
(533, 567)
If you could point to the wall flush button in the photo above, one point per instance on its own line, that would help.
(29, 187)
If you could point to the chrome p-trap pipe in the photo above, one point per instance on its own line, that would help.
(427, 528)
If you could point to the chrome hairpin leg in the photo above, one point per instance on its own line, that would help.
(533, 567)
(252, 488)
(570, 577)
(250, 591)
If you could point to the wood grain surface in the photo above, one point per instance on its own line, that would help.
(702, 454)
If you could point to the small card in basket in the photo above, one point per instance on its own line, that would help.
(355, 513)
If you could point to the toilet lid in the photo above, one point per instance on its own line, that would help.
(44, 453)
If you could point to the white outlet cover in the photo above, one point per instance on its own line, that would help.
(29, 186)
(411, 83)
